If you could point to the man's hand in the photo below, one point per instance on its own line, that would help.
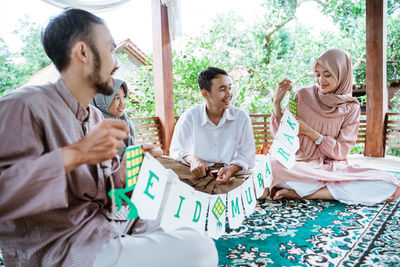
(101, 144)
(225, 174)
(197, 166)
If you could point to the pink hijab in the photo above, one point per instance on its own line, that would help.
(334, 104)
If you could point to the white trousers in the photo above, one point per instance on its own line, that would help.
(151, 246)
(355, 192)
(183, 247)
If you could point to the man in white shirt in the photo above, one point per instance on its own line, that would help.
(213, 137)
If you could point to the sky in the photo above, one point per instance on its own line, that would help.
(133, 20)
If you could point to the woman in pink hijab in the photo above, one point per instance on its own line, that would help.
(329, 118)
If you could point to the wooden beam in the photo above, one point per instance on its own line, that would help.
(376, 77)
(162, 67)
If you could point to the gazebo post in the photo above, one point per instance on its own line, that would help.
(376, 12)
(162, 67)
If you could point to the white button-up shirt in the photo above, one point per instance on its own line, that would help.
(230, 142)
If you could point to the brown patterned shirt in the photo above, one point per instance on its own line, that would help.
(49, 217)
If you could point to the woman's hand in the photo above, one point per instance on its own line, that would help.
(306, 130)
(283, 87)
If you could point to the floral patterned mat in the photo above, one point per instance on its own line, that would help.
(315, 233)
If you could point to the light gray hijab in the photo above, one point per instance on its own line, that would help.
(103, 102)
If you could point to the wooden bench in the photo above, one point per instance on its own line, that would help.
(148, 130)
(262, 134)
(362, 129)
(392, 129)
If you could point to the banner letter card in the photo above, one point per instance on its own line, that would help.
(150, 188)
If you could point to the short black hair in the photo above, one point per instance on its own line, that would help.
(64, 30)
(206, 76)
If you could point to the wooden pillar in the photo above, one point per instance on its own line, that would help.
(162, 67)
(376, 77)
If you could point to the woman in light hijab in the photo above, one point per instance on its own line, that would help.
(328, 119)
(113, 107)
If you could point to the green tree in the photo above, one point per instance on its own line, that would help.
(9, 73)
(16, 68)
(276, 47)
(32, 53)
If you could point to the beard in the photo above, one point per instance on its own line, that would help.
(102, 87)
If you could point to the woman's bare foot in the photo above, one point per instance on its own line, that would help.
(273, 191)
(286, 194)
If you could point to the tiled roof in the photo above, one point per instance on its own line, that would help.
(133, 50)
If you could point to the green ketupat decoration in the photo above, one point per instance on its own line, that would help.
(218, 209)
(133, 161)
(292, 104)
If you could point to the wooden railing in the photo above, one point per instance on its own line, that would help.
(392, 129)
(362, 129)
(148, 130)
(263, 138)
(262, 134)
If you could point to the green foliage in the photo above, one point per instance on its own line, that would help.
(396, 100)
(362, 99)
(393, 48)
(227, 44)
(187, 67)
(141, 103)
(16, 68)
(277, 46)
(274, 49)
(347, 15)
(393, 151)
(10, 74)
(357, 149)
(32, 53)
(350, 17)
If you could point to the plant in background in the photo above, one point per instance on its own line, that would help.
(362, 99)
(275, 47)
(141, 101)
(32, 53)
(357, 149)
(10, 74)
(187, 64)
(16, 68)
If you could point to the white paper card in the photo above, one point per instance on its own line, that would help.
(257, 178)
(150, 188)
(268, 177)
(235, 208)
(248, 197)
(285, 156)
(289, 120)
(176, 212)
(198, 207)
(216, 227)
(288, 137)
